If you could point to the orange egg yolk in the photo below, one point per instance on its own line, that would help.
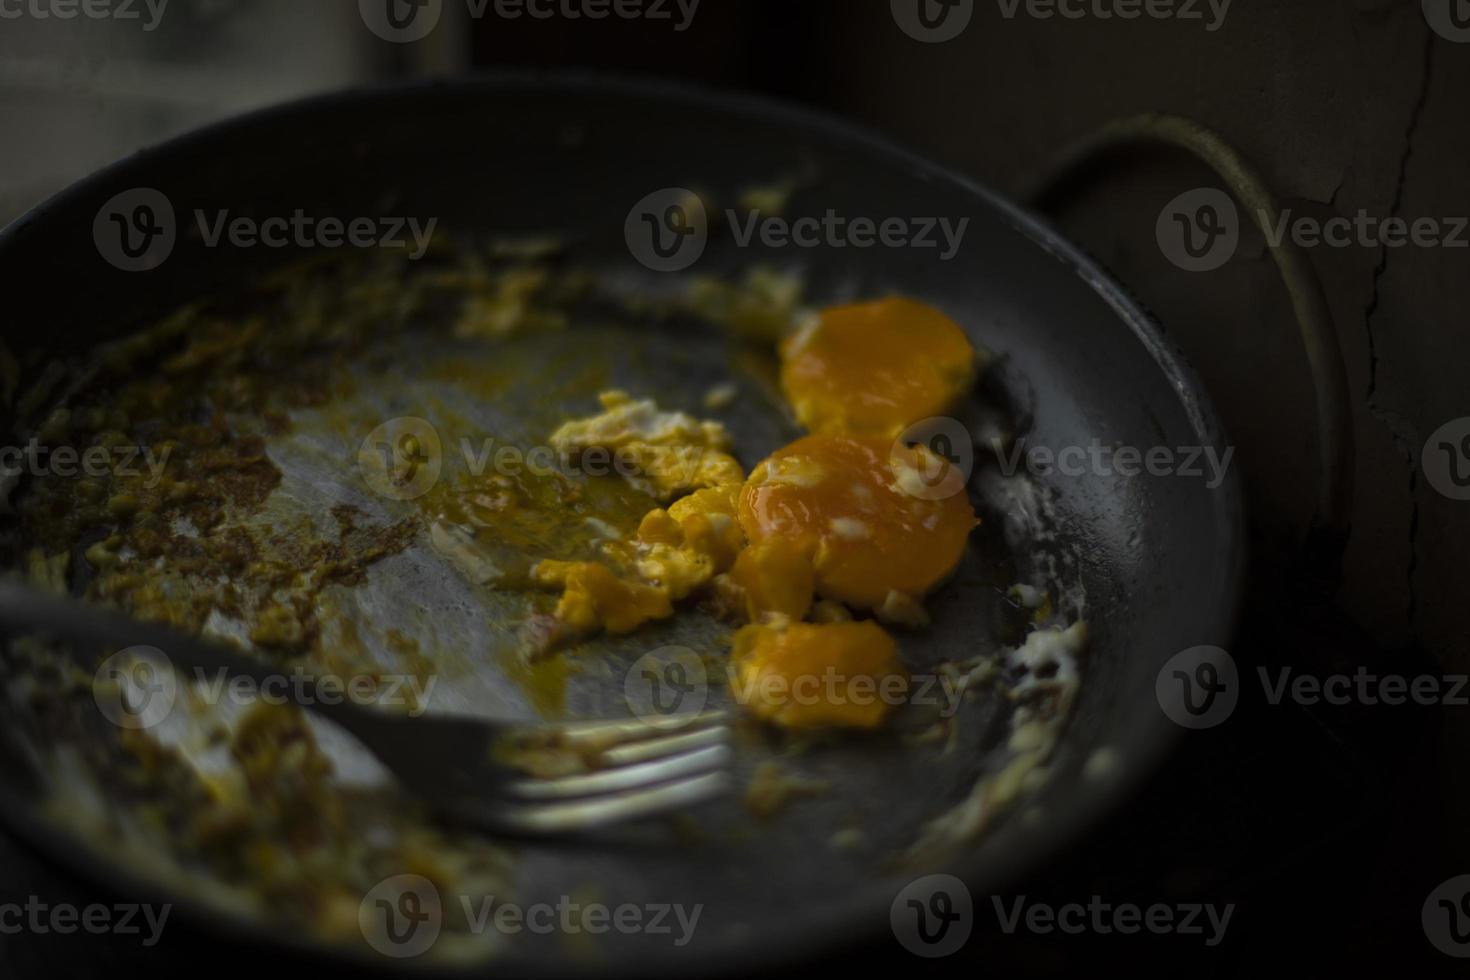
(850, 503)
(876, 368)
(775, 579)
(811, 675)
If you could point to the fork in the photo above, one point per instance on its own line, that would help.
(585, 776)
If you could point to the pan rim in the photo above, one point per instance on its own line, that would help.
(865, 913)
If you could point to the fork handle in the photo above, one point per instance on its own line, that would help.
(25, 608)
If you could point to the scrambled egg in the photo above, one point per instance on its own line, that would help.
(677, 550)
(666, 454)
(594, 598)
(844, 519)
(707, 518)
(875, 368)
(839, 500)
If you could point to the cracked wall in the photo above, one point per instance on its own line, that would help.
(1343, 106)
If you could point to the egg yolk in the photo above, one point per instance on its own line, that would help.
(875, 368)
(775, 579)
(818, 675)
(842, 500)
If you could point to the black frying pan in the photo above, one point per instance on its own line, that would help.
(1158, 558)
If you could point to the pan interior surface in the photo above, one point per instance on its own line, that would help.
(1150, 563)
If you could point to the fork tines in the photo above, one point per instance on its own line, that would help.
(633, 768)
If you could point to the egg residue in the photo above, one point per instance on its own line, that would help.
(844, 519)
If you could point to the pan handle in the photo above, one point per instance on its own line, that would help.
(1331, 524)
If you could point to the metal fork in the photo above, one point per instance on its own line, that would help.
(532, 780)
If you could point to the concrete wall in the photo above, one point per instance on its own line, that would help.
(1344, 106)
(79, 92)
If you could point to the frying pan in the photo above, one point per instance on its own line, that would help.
(1154, 561)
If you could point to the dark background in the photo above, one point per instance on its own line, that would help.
(1328, 827)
